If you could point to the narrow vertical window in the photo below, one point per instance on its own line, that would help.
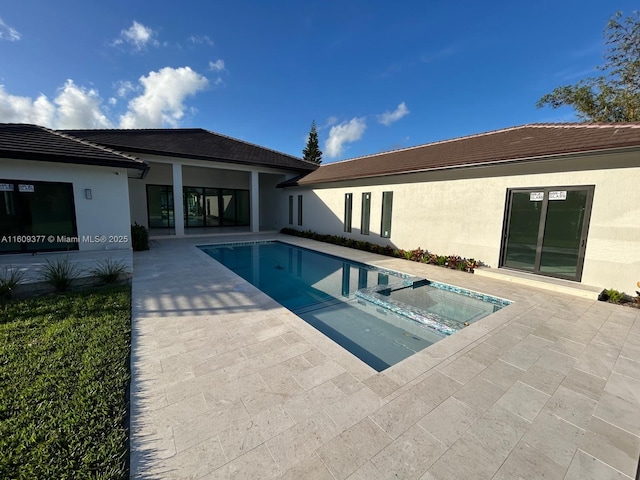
(348, 207)
(387, 207)
(290, 209)
(366, 213)
(300, 210)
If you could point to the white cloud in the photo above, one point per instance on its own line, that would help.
(16, 109)
(387, 118)
(124, 88)
(78, 107)
(201, 40)
(73, 107)
(330, 121)
(216, 66)
(346, 132)
(7, 32)
(138, 36)
(162, 101)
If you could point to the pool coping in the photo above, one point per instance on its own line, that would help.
(498, 354)
(372, 294)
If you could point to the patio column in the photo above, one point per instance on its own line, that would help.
(178, 209)
(255, 201)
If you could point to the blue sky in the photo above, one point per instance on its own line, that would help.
(375, 75)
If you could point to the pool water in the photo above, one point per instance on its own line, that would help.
(378, 315)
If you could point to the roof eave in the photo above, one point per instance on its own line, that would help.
(162, 153)
(554, 156)
(22, 155)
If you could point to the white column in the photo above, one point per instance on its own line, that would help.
(255, 201)
(178, 209)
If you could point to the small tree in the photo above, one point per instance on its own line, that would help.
(613, 96)
(311, 152)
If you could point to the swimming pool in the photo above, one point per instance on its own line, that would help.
(381, 316)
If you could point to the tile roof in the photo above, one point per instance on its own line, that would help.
(195, 143)
(32, 142)
(527, 142)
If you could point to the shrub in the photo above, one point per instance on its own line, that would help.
(9, 280)
(472, 265)
(614, 295)
(416, 255)
(139, 237)
(109, 270)
(60, 274)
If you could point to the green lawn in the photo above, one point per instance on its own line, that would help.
(64, 372)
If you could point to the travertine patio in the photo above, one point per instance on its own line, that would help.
(228, 384)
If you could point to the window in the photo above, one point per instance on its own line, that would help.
(300, 210)
(387, 206)
(348, 207)
(545, 230)
(365, 217)
(290, 209)
(37, 209)
(160, 206)
(203, 207)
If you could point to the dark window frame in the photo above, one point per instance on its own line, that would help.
(506, 224)
(300, 210)
(202, 192)
(32, 247)
(365, 214)
(348, 211)
(387, 213)
(290, 209)
(166, 189)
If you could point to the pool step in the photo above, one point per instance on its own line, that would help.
(427, 319)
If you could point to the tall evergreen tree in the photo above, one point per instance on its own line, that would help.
(311, 152)
(613, 96)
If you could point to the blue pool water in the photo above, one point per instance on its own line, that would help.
(380, 316)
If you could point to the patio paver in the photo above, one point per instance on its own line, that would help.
(226, 383)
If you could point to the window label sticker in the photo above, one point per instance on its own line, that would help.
(558, 195)
(536, 196)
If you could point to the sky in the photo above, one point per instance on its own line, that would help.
(374, 75)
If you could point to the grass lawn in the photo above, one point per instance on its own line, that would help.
(64, 371)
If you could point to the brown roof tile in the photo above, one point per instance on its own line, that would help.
(525, 142)
(195, 143)
(32, 142)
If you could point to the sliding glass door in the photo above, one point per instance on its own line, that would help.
(160, 206)
(37, 216)
(546, 230)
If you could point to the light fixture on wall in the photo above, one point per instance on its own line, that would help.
(88, 194)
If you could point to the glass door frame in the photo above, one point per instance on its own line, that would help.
(34, 242)
(541, 228)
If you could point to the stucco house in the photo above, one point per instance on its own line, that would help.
(547, 200)
(58, 192)
(224, 181)
(552, 200)
(80, 191)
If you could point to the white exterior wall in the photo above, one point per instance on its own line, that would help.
(449, 212)
(273, 203)
(209, 174)
(107, 213)
(161, 174)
